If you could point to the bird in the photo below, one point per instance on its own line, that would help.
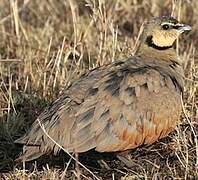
(118, 106)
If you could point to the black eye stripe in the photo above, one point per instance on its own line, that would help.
(171, 26)
(176, 27)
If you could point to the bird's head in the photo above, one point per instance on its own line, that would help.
(160, 33)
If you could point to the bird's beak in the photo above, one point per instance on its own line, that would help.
(184, 27)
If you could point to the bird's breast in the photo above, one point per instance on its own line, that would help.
(151, 116)
(155, 117)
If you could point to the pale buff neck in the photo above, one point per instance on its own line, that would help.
(151, 53)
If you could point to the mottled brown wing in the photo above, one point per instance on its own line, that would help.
(59, 117)
(130, 107)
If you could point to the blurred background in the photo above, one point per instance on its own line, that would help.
(45, 45)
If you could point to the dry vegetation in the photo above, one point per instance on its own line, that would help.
(45, 45)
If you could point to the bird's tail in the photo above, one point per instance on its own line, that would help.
(29, 153)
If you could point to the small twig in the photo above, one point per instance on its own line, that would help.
(77, 168)
(155, 165)
(137, 40)
(65, 170)
(10, 60)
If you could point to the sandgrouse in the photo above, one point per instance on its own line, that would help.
(119, 106)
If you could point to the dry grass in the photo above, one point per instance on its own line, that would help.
(44, 45)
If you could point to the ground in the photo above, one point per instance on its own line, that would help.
(45, 45)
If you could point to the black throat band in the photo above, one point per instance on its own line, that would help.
(150, 43)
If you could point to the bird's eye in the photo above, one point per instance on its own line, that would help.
(165, 26)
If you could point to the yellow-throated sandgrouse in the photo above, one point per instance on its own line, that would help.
(118, 106)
